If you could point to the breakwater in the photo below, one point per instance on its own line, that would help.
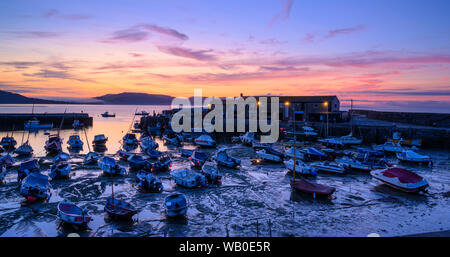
(16, 121)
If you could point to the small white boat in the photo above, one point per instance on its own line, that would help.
(34, 125)
(331, 142)
(26, 168)
(290, 152)
(248, 138)
(411, 156)
(350, 140)
(401, 179)
(205, 140)
(389, 147)
(327, 166)
(269, 154)
(300, 167)
(351, 163)
(70, 213)
(188, 178)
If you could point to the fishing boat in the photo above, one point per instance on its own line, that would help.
(293, 152)
(119, 210)
(69, 213)
(8, 142)
(147, 143)
(188, 178)
(363, 164)
(198, 159)
(7, 161)
(205, 141)
(401, 179)
(99, 140)
(222, 158)
(315, 189)
(258, 145)
(136, 162)
(211, 173)
(270, 154)
(110, 167)
(107, 115)
(350, 140)
(176, 205)
(35, 186)
(330, 167)
(172, 139)
(163, 163)
(312, 153)
(248, 138)
(186, 152)
(413, 157)
(26, 168)
(91, 158)
(389, 147)
(34, 125)
(77, 124)
(60, 170)
(124, 155)
(142, 113)
(300, 167)
(396, 138)
(75, 141)
(24, 150)
(332, 142)
(149, 182)
(153, 154)
(53, 144)
(130, 139)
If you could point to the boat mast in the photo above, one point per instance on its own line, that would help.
(351, 118)
(295, 141)
(87, 140)
(62, 121)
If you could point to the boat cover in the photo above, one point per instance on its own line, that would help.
(403, 175)
(310, 187)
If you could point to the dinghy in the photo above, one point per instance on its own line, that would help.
(26, 168)
(188, 178)
(8, 142)
(110, 167)
(99, 140)
(91, 158)
(24, 150)
(149, 182)
(312, 153)
(401, 179)
(312, 188)
(107, 115)
(176, 205)
(223, 159)
(413, 157)
(389, 147)
(300, 167)
(75, 141)
(153, 154)
(205, 141)
(130, 139)
(35, 186)
(186, 152)
(118, 209)
(163, 163)
(332, 142)
(69, 213)
(270, 154)
(211, 173)
(172, 139)
(61, 157)
(350, 140)
(248, 138)
(258, 146)
(290, 152)
(147, 143)
(198, 159)
(330, 167)
(136, 162)
(53, 144)
(7, 161)
(60, 170)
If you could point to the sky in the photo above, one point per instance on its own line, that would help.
(381, 54)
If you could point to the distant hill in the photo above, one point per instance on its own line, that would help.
(13, 98)
(128, 98)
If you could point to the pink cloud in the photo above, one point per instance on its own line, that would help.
(199, 55)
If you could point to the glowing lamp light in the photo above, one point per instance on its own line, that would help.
(287, 103)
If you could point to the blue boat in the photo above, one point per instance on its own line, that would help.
(26, 168)
(136, 162)
(110, 167)
(149, 182)
(35, 186)
(163, 163)
(176, 205)
(211, 173)
(124, 155)
(198, 159)
(186, 152)
(312, 153)
(153, 154)
(24, 150)
(118, 209)
(8, 142)
(188, 178)
(60, 170)
(130, 139)
(70, 213)
(91, 158)
(7, 161)
(75, 141)
(223, 159)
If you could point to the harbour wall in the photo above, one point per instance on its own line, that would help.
(16, 121)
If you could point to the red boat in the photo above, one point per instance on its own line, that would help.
(401, 179)
(312, 188)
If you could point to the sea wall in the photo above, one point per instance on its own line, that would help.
(16, 121)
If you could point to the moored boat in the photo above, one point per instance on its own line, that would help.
(153, 153)
(60, 170)
(147, 143)
(118, 209)
(330, 167)
(8, 142)
(53, 144)
(107, 115)
(315, 189)
(7, 161)
(149, 182)
(130, 139)
(248, 138)
(91, 158)
(293, 153)
(26, 168)
(172, 139)
(99, 140)
(24, 150)
(198, 159)
(75, 141)
(77, 124)
(34, 125)
(211, 173)
(110, 167)
(35, 186)
(70, 213)
(205, 141)
(270, 154)
(222, 158)
(300, 167)
(186, 152)
(188, 178)
(401, 179)
(163, 163)
(389, 147)
(136, 162)
(176, 205)
(413, 157)
(312, 153)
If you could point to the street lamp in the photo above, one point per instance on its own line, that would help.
(326, 106)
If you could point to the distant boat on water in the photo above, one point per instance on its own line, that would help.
(107, 114)
(34, 124)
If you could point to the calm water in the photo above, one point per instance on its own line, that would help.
(247, 195)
